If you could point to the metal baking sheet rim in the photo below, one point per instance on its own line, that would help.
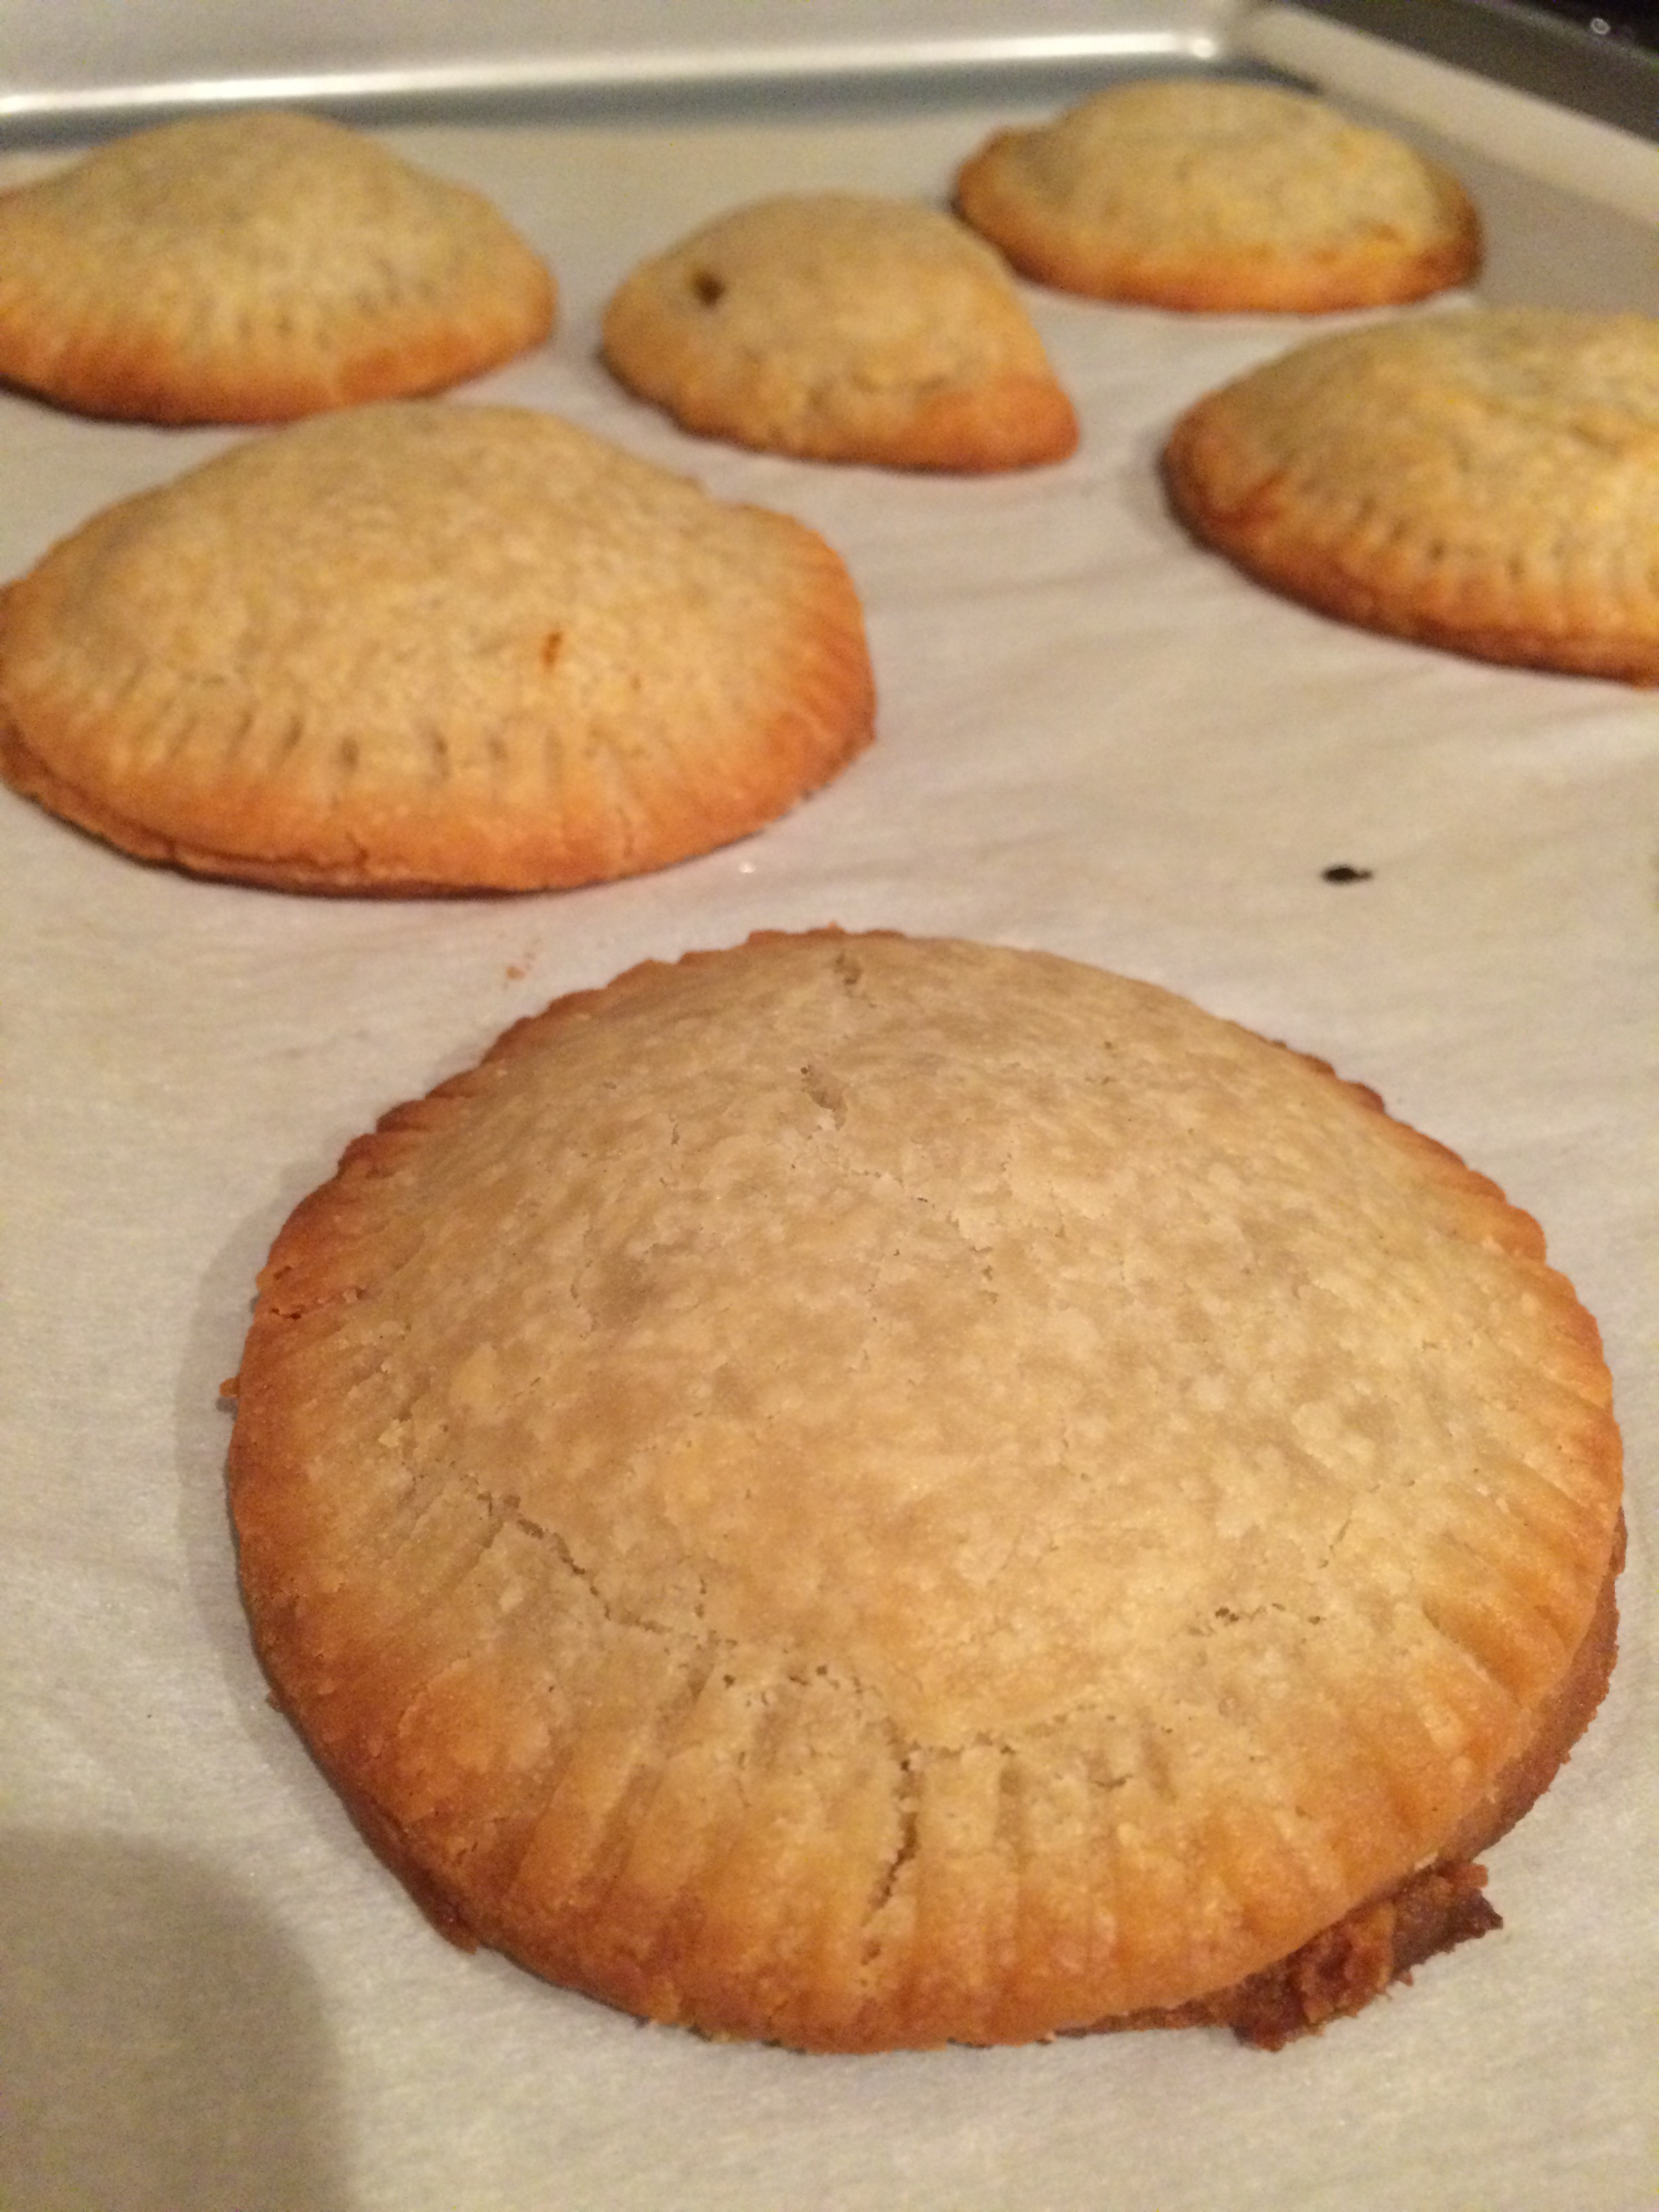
(1506, 40)
(573, 80)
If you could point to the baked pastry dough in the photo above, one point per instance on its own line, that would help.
(253, 268)
(842, 327)
(1203, 193)
(1486, 480)
(869, 1492)
(429, 646)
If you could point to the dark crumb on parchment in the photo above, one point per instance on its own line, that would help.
(1343, 873)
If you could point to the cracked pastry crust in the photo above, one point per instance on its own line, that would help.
(252, 268)
(1486, 481)
(867, 1492)
(430, 646)
(840, 327)
(1206, 195)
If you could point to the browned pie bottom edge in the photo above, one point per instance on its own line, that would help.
(1339, 1971)
(1255, 536)
(29, 776)
(1336, 1973)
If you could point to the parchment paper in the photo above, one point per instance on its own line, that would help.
(1094, 738)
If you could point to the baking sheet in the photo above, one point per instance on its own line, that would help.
(371, 54)
(1094, 738)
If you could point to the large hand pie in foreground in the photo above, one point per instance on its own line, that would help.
(867, 1492)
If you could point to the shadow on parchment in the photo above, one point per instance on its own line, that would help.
(162, 2048)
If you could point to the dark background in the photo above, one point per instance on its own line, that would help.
(1636, 23)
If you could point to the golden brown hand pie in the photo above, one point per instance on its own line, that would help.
(842, 327)
(1486, 480)
(430, 646)
(1203, 193)
(867, 1492)
(254, 267)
